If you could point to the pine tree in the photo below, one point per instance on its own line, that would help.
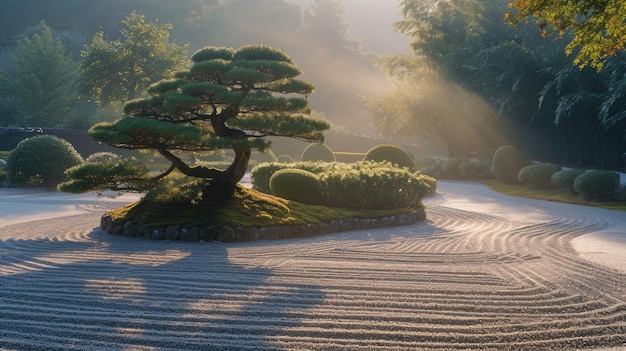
(44, 84)
(228, 99)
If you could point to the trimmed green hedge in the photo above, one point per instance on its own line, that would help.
(507, 163)
(597, 185)
(565, 178)
(392, 154)
(539, 174)
(297, 185)
(360, 185)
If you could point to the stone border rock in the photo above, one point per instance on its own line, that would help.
(229, 234)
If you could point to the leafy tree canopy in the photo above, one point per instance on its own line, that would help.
(598, 26)
(121, 69)
(43, 85)
(228, 99)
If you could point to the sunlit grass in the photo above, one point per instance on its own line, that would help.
(550, 194)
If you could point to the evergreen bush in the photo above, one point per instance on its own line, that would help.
(318, 152)
(539, 174)
(565, 178)
(359, 185)
(297, 185)
(41, 160)
(506, 164)
(392, 154)
(597, 185)
(262, 173)
(375, 186)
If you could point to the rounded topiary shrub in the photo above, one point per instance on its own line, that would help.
(565, 178)
(41, 160)
(539, 174)
(597, 185)
(507, 162)
(392, 154)
(318, 152)
(297, 185)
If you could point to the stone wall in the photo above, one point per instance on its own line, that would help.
(240, 234)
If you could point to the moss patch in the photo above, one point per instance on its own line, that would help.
(247, 208)
(557, 195)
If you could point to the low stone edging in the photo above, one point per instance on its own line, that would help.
(241, 234)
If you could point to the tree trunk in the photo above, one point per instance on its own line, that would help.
(236, 171)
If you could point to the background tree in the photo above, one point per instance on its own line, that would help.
(598, 26)
(428, 104)
(543, 104)
(121, 69)
(43, 86)
(228, 99)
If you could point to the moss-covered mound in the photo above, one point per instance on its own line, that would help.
(248, 215)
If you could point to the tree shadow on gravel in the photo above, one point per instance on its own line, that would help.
(117, 293)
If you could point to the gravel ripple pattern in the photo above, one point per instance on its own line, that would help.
(496, 277)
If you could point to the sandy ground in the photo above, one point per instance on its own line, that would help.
(484, 272)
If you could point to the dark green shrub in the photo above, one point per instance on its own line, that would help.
(392, 154)
(597, 185)
(297, 185)
(565, 178)
(507, 162)
(539, 174)
(262, 173)
(41, 160)
(362, 185)
(374, 186)
(318, 153)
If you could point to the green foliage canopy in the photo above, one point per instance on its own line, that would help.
(121, 69)
(598, 26)
(44, 84)
(228, 99)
